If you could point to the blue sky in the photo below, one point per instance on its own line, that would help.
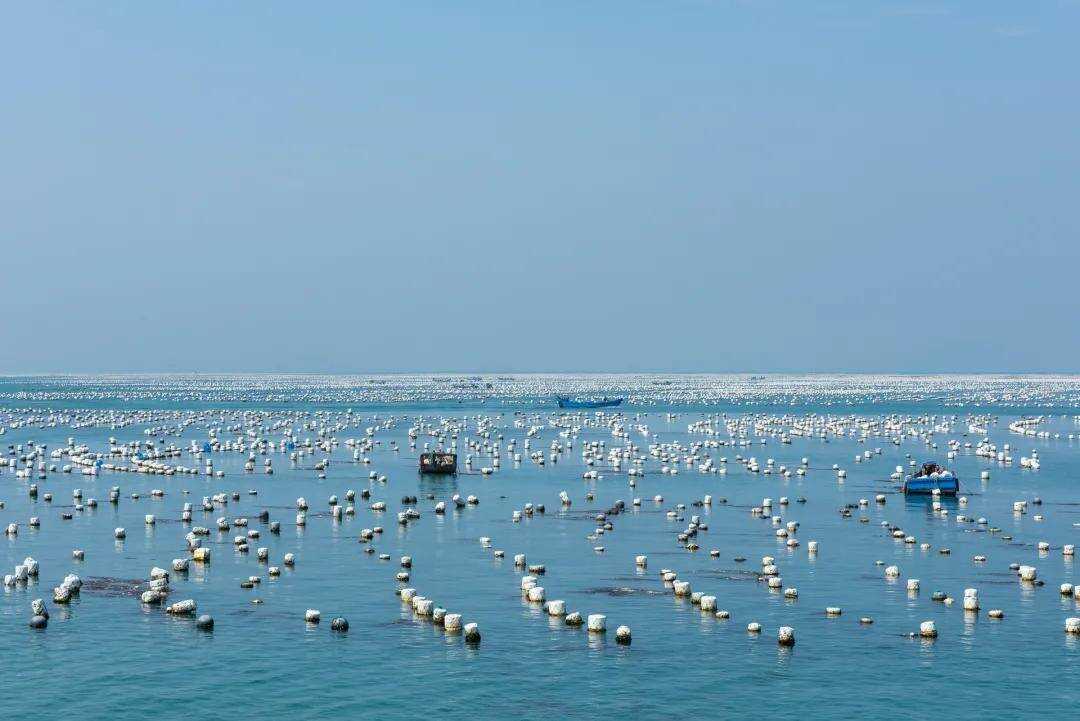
(680, 185)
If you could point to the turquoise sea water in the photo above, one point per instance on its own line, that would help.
(107, 656)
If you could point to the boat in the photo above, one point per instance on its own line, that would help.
(438, 462)
(567, 402)
(932, 478)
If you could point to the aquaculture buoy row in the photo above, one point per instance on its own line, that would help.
(487, 446)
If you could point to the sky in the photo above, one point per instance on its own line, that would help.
(540, 186)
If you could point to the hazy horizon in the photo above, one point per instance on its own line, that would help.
(518, 374)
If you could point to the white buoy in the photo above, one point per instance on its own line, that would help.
(153, 596)
(182, 608)
(785, 636)
(971, 599)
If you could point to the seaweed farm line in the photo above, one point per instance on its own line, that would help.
(264, 545)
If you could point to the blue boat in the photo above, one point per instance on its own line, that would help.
(567, 402)
(930, 478)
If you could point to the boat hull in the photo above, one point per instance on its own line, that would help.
(926, 486)
(565, 402)
(444, 464)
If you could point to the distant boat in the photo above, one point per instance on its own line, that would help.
(567, 402)
(931, 478)
(438, 462)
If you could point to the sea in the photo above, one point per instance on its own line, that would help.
(825, 450)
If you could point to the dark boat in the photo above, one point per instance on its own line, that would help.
(930, 478)
(567, 402)
(438, 462)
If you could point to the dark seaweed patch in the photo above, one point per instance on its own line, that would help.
(110, 587)
(732, 574)
(620, 591)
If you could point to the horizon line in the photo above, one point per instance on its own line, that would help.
(39, 374)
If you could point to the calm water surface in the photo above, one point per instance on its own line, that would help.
(106, 656)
